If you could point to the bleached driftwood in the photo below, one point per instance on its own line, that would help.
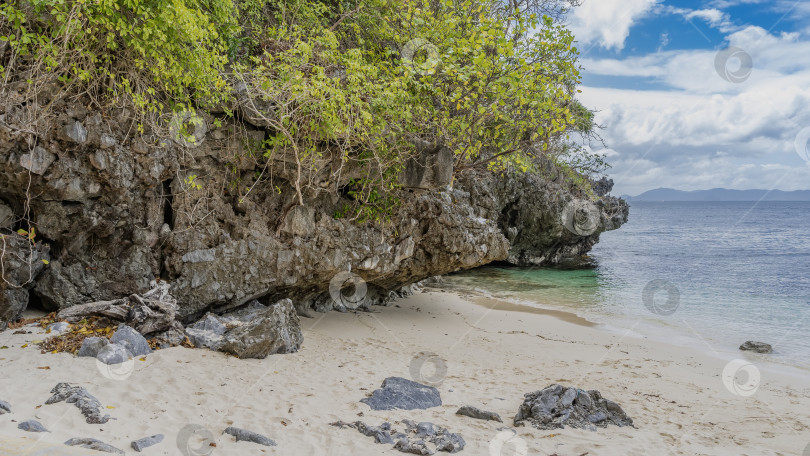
(148, 313)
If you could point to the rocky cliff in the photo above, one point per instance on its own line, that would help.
(112, 210)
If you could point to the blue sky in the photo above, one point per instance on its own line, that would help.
(699, 94)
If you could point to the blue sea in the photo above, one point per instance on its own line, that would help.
(710, 275)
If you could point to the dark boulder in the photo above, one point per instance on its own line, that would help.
(404, 394)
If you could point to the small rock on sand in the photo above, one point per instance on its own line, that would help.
(32, 426)
(417, 438)
(248, 436)
(475, 412)
(93, 444)
(5, 407)
(757, 347)
(60, 326)
(146, 442)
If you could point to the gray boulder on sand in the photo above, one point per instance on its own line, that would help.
(275, 329)
(254, 331)
(32, 426)
(78, 396)
(114, 354)
(558, 406)
(474, 412)
(146, 442)
(207, 333)
(404, 394)
(93, 444)
(243, 435)
(92, 346)
(132, 340)
(5, 407)
(758, 347)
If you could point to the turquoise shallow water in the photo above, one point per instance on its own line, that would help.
(715, 274)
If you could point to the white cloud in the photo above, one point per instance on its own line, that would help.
(723, 4)
(664, 41)
(713, 16)
(704, 131)
(777, 60)
(607, 22)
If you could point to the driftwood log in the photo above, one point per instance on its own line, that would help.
(151, 312)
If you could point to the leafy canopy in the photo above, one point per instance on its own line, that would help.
(353, 88)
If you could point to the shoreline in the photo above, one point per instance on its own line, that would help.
(639, 328)
(676, 396)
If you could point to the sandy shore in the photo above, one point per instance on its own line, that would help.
(493, 355)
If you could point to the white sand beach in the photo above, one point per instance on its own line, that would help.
(676, 396)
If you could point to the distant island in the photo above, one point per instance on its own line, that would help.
(720, 194)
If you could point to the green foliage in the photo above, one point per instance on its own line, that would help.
(502, 89)
(157, 53)
(192, 182)
(350, 89)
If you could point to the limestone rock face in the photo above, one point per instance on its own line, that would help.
(431, 169)
(117, 209)
(22, 264)
(37, 161)
(6, 217)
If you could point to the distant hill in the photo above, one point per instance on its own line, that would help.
(721, 194)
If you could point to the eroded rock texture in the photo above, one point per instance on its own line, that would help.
(114, 210)
(557, 406)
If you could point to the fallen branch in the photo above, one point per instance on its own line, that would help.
(154, 311)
